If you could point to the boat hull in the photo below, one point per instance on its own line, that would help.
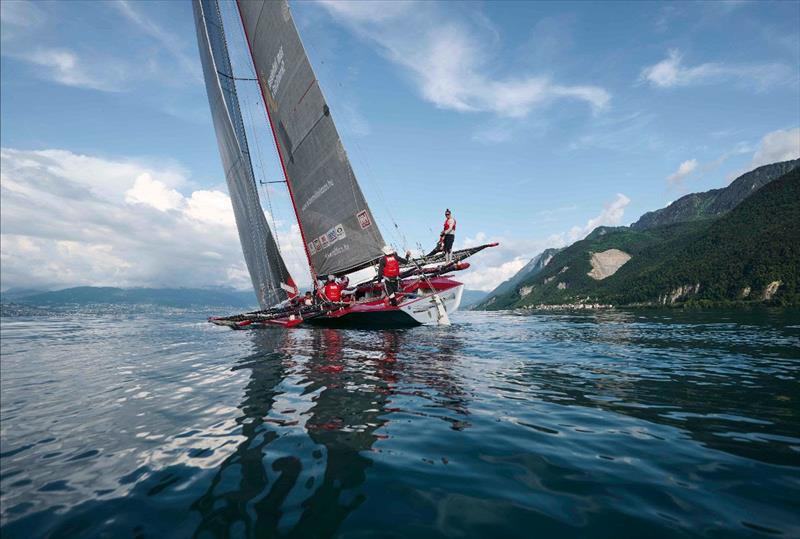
(426, 301)
(417, 311)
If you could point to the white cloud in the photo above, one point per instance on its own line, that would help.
(780, 145)
(72, 220)
(494, 265)
(671, 72)
(153, 193)
(684, 170)
(65, 67)
(448, 61)
(17, 16)
(610, 216)
(167, 40)
(33, 33)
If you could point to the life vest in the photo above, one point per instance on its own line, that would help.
(391, 266)
(333, 292)
(444, 228)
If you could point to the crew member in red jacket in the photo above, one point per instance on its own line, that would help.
(389, 271)
(331, 292)
(446, 238)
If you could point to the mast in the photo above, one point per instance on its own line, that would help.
(280, 155)
(338, 229)
(268, 273)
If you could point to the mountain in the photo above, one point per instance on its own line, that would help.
(717, 201)
(751, 253)
(506, 292)
(470, 297)
(168, 297)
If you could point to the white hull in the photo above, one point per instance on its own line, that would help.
(426, 311)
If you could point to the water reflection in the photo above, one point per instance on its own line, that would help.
(309, 423)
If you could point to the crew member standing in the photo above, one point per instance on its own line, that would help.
(389, 271)
(448, 236)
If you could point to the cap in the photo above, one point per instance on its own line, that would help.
(387, 249)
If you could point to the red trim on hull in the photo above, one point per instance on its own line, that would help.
(377, 313)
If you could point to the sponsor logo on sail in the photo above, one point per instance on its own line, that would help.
(318, 193)
(337, 251)
(327, 239)
(276, 72)
(363, 219)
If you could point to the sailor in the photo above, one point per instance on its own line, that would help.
(308, 299)
(389, 271)
(446, 238)
(332, 292)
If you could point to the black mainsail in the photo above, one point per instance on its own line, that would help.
(338, 228)
(271, 279)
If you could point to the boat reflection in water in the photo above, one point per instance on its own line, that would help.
(309, 423)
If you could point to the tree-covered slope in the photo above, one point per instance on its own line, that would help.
(716, 202)
(734, 257)
(507, 293)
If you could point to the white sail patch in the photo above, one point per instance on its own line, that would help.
(276, 72)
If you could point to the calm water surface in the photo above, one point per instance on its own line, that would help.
(611, 424)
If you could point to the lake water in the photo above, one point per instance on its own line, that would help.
(611, 424)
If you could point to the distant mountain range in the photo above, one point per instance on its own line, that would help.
(27, 300)
(165, 297)
(716, 202)
(506, 295)
(737, 244)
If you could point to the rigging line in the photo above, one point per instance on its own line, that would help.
(263, 174)
(311, 268)
(233, 78)
(345, 130)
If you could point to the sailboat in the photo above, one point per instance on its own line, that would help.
(339, 233)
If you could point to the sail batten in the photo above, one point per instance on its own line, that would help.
(270, 278)
(338, 229)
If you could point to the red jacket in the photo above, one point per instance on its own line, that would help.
(332, 292)
(391, 266)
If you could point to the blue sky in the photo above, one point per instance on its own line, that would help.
(535, 122)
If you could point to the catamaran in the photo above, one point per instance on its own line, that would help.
(339, 233)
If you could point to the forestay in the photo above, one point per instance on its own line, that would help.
(338, 228)
(271, 279)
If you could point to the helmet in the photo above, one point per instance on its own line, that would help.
(387, 249)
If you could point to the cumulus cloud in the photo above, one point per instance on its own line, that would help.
(497, 264)
(774, 147)
(448, 61)
(684, 170)
(72, 219)
(671, 72)
(780, 145)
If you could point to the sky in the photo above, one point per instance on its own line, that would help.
(534, 122)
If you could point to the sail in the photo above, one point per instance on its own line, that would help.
(338, 228)
(271, 279)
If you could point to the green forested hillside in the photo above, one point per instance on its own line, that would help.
(713, 203)
(734, 257)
